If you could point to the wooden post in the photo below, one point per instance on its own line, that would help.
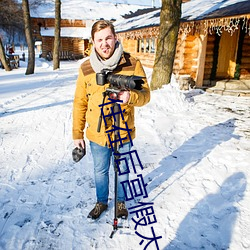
(201, 60)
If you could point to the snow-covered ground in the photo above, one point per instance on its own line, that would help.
(194, 148)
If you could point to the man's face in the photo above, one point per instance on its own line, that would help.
(104, 42)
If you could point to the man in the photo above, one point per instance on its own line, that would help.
(107, 54)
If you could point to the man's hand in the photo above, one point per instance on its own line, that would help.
(124, 96)
(79, 143)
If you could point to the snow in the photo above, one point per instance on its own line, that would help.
(86, 10)
(194, 148)
(84, 33)
(145, 20)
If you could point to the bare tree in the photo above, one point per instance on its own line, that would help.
(11, 24)
(56, 59)
(28, 33)
(11, 17)
(3, 57)
(168, 34)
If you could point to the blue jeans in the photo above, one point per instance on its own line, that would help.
(102, 157)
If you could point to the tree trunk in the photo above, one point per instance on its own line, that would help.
(28, 33)
(3, 57)
(168, 34)
(56, 59)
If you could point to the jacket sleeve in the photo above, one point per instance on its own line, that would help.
(141, 97)
(80, 105)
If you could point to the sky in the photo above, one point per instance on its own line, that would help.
(194, 148)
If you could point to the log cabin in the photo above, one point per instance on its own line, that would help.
(74, 37)
(213, 41)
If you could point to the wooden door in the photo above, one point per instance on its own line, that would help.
(227, 55)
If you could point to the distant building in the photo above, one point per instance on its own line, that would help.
(74, 37)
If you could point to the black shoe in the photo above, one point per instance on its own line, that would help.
(97, 210)
(122, 211)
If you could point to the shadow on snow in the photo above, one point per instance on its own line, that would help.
(22, 110)
(190, 153)
(209, 225)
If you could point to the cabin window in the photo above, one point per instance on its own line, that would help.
(152, 45)
(146, 45)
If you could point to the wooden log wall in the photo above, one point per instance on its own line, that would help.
(190, 56)
(209, 57)
(178, 61)
(73, 45)
(146, 59)
(50, 22)
(131, 46)
(186, 55)
(66, 44)
(185, 59)
(47, 45)
(79, 46)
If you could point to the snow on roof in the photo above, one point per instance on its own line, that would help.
(197, 9)
(79, 32)
(192, 10)
(85, 10)
(145, 20)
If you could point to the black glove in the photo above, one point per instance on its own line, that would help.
(78, 153)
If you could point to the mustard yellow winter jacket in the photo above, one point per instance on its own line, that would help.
(89, 95)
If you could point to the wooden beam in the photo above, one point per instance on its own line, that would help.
(201, 60)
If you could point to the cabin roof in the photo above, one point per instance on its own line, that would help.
(140, 21)
(208, 9)
(193, 10)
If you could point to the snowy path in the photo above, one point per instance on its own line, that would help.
(194, 148)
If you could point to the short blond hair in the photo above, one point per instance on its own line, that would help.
(100, 25)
